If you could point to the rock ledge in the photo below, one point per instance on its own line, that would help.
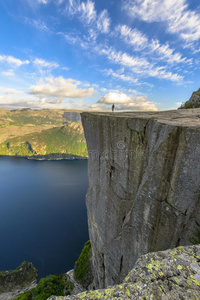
(170, 274)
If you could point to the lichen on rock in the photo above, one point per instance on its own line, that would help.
(170, 274)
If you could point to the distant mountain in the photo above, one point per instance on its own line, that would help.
(50, 134)
(193, 102)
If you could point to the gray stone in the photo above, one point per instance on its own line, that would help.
(144, 183)
(158, 276)
(15, 282)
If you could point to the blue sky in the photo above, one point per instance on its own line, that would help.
(139, 54)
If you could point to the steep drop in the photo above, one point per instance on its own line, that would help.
(144, 186)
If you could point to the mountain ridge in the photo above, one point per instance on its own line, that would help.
(43, 134)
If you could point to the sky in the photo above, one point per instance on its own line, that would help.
(87, 55)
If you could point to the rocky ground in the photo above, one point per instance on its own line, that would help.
(15, 282)
(164, 275)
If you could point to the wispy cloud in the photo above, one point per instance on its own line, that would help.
(133, 37)
(59, 87)
(138, 65)
(37, 23)
(88, 15)
(85, 10)
(120, 76)
(76, 39)
(139, 41)
(103, 21)
(177, 16)
(142, 65)
(15, 62)
(45, 64)
(8, 73)
(43, 1)
(167, 53)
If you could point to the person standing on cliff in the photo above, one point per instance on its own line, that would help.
(113, 107)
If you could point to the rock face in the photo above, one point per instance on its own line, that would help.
(194, 101)
(144, 186)
(171, 274)
(17, 281)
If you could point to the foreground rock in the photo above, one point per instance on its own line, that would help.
(171, 274)
(15, 282)
(78, 288)
(144, 186)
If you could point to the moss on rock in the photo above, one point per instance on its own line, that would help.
(82, 268)
(195, 239)
(170, 274)
(22, 277)
(59, 285)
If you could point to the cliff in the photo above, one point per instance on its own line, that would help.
(14, 282)
(144, 186)
(167, 275)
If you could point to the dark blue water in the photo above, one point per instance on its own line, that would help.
(42, 213)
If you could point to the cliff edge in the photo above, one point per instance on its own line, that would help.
(144, 186)
(167, 275)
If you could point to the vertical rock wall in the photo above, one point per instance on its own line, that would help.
(144, 186)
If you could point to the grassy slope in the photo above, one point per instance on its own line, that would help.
(51, 133)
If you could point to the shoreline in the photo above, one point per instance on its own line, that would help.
(40, 158)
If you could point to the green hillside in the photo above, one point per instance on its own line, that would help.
(42, 134)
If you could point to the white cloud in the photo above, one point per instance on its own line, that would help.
(8, 101)
(15, 62)
(120, 76)
(85, 10)
(145, 64)
(88, 14)
(139, 41)
(43, 1)
(65, 69)
(176, 15)
(8, 73)
(138, 65)
(178, 104)
(123, 59)
(133, 37)
(12, 91)
(13, 100)
(45, 64)
(167, 53)
(57, 2)
(75, 39)
(97, 107)
(118, 98)
(38, 24)
(138, 105)
(125, 102)
(59, 87)
(103, 22)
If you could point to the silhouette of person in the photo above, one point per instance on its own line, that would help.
(113, 107)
